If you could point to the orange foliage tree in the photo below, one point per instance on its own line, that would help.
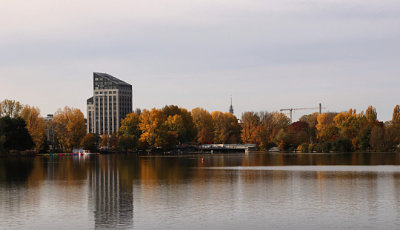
(35, 125)
(226, 128)
(204, 125)
(250, 128)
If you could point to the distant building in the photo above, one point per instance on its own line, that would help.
(231, 107)
(51, 140)
(111, 102)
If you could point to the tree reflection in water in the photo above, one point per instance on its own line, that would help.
(126, 191)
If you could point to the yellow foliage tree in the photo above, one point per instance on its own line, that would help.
(35, 125)
(271, 124)
(69, 127)
(226, 128)
(371, 115)
(154, 128)
(186, 131)
(396, 115)
(129, 132)
(349, 124)
(204, 125)
(250, 128)
(326, 127)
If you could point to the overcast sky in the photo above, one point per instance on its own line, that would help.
(268, 54)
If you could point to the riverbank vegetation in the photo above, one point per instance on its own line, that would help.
(22, 128)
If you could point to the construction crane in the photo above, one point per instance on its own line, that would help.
(294, 109)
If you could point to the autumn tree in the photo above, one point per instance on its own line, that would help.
(350, 125)
(282, 140)
(204, 125)
(69, 127)
(176, 127)
(271, 124)
(396, 115)
(154, 128)
(299, 133)
(371, 115)
(326, 129)
(250, 128)
(312, 121)
(391, 138)
(377, 137)
(180, 122)
(113, 141)
(394, 127)
(89, 142)
(35, 125)
(129, 132)
(226, 128)
(10, 108)
(104, 141)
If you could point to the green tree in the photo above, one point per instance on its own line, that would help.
(129, 132)
(14, 135)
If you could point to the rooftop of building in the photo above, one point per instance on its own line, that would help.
(90, 100)
(111, 78)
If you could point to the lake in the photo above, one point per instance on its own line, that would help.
(230, 191)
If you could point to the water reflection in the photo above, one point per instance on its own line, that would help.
(15, 170)
(255, 191)
(112, 200)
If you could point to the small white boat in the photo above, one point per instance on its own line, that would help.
(81, 151)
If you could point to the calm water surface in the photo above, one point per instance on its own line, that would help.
(234, 191)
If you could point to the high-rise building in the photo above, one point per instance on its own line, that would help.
(111, 102)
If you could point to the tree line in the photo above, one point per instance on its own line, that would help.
(21, 127)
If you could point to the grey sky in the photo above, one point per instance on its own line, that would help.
(269, 54)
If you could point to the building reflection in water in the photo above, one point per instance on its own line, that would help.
(112, 202)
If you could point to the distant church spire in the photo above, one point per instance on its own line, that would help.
(231, 107)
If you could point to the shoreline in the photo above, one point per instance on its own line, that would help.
(173, 153)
